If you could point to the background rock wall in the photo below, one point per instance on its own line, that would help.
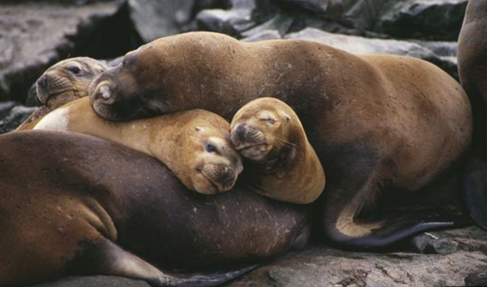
(36, 34)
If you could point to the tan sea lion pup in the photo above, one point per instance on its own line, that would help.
(380, 123)
(284, 164)
(72, 204)
(63, 82)
(193, 144)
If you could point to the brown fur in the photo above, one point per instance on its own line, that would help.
(79, 202)
(378, 122)
(472, 67)
(194, 144)
(284, 164)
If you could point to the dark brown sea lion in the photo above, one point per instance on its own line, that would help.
(282, 163)
(76, 204)
(195, 145)
(63, 82)
(380, 123)
(472, 69)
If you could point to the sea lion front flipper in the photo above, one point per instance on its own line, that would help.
(107, 258)
(475, 191)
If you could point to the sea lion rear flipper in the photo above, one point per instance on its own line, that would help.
(107, 258)
(350, 216)
(475, 191)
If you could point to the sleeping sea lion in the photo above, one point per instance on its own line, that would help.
(194, 144)
(283, 165)
(472, 69)
(63, 82)
(381, 123)
(76, 204)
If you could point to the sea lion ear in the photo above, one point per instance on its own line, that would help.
(287, 118)
(198, 129)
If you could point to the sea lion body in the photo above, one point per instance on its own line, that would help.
(61, 83)
(193, 144)
(472, 70)
(283, 164)
(379, 122)
(80, 202)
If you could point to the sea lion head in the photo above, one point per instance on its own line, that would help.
(131, 90)
(261, 129)
(214, 164)
(67, 80)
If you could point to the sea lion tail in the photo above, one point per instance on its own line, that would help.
(201, 279)
(475, 191)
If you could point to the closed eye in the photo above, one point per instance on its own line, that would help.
(269, 120)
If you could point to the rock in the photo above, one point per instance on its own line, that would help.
(360, 15)
(35, 35)
(324, 266)
(280, 24)
(230, 22)
(242, 16)
(361, 45)
(263, 35)
(16, 116)
(422, 19)
(159, 18)
(6, 107)
(94, 281)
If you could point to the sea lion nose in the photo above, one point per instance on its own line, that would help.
(42, 82)
(226, 178)
(103, 93)
(241, 130)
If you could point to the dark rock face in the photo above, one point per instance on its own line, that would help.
(433, 20)
(36, 34)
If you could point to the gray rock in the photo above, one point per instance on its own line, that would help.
(263, 35)
(323, 266)
(242, 16)
(361, 45)
(422, 19)
(230, 22)
(357, 14)
(160, 18)
(280, 23)
(16, 116)
(34, 35)
(94, 281)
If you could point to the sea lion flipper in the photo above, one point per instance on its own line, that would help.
(106, 257)
(475, 191)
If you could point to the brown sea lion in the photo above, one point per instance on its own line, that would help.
(194, 144)
(283, 164)
(472, 69)
(76, 204)
(381, 123)
(63, 82)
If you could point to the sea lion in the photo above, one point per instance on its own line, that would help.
(80, 204)
(63, 82)
(193, 144)
(381, 123)
(472, 69)
(284, 165)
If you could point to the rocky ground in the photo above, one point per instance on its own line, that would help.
(36, 34)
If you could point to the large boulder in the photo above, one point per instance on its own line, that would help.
(422, 19)
(360, 15)
(324, 266)
(35, 35)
